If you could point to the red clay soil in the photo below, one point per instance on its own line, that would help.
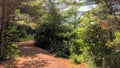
(34, 57)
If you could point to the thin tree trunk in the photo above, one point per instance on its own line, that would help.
(2, 26)
(118, 22)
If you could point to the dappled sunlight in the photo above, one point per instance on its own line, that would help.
(59, 33)
(29, 57)
(27, 50)
(33, 57)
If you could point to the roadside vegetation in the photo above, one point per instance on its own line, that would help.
(91, 37)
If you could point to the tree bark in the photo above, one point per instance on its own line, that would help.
(2, 25)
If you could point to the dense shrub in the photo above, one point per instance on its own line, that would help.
(112, 60)
(10, 48)
(52, 35)
(60, 49)
(90, 44)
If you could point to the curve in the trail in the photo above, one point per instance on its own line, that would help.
(34, 57)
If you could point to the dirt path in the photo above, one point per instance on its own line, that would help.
(33, 57)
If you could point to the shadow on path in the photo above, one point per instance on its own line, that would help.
(33, 57)
(29, 57)
(27, 49)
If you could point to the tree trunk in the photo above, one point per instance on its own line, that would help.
(2, 26)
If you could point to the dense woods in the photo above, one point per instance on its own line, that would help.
(81, 35)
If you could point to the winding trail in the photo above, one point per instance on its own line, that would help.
(34, 57)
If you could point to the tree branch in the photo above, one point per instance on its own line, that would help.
(118, 22)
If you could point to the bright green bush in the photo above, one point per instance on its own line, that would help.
(11, 36)
(10, 50)
(90, 44)
(76, 58)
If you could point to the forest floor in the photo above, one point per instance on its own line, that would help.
(33, 57)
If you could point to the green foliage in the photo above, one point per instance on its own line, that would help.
(60, 49)
(90, 44)
(113, 59)
(84, 41)
(25, 24)
(76, 58)
(52, 34)
(78, 47)
(97, 39)
(22, 29)
(10, 49)
(27, 38)
(115, 43)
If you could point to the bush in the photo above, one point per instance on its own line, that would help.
(90, 46)
(76, 58)
(60, 49)
(113, 60)
(52, 35)
(10, 50)
(11, 36)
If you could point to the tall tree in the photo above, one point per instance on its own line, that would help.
(111, 8)
(2, 25)
(7, 9)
